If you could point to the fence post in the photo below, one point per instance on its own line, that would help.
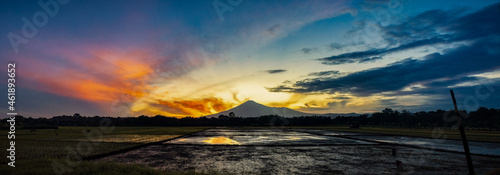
(464, 140)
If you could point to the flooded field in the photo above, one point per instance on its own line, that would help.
(268, 151)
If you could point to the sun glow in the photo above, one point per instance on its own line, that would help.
(221, 140)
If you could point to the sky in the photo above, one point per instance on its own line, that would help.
(199, 57)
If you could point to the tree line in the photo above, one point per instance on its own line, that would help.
(481, 118)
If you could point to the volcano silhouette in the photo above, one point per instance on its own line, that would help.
(251, 108)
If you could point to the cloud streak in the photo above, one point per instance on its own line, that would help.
(275, 71)
(325, 73)
(309, 50)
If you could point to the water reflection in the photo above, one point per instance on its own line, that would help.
(221, 140)
(405, 142)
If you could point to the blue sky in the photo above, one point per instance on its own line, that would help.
(181, 58)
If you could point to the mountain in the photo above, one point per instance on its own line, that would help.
(253, 109)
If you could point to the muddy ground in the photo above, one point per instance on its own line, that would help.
(237, 151)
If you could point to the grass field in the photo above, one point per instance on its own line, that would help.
(35, 149)
(43, 166)
(448, 133)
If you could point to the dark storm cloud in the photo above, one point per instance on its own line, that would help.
(371, 59)
(479, 57)
(351, 60)
(275, 71)
(371, 55)
(325, 73)
(427, 29)
(423, 26)
(435, 71)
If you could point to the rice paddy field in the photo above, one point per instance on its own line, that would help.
(310, 151)
(36, 151)
(472, 134)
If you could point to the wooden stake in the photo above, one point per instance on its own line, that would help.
(399, 166)
(464, 140)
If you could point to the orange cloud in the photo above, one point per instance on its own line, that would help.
(195, 108)
(98, 76)
(105, 75)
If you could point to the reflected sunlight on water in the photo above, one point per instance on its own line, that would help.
(221, 140)
(405, 142)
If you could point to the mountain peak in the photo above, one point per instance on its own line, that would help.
(251, 104)
(251, 108)
(249, 101)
